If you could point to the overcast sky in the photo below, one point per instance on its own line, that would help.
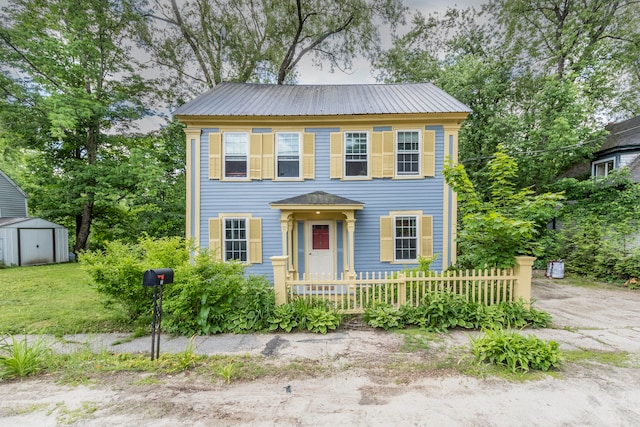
(361, 72)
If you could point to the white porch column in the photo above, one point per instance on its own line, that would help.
(351, 226)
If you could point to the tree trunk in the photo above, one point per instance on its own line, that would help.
(83, 225)
(83, 221)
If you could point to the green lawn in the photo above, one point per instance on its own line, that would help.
(55, 299)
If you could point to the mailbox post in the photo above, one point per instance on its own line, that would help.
(157, 279)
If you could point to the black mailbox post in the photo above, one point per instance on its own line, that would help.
(157, 279)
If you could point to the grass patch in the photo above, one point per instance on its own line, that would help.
(85, 367)
(619, 359)
(54, 299)
(418, 340)
(585, 282)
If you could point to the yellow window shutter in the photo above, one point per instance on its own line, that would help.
(215, 156)
(255, 156)
(386, 239)
(308, 156)
(336, 155)
(429, 153)
(426, 236)
(268, 161)
(388, 154)
(376, 155)
(255, 240)
(215, 238)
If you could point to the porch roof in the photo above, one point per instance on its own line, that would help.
(319, 200)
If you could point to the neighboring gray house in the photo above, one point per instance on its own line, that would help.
(24, 240)
(622, 148)
(13, 201)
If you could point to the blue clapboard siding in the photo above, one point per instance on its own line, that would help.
(378, 195)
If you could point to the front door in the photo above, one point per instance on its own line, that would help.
(320, 243)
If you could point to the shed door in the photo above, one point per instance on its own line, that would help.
(36, 246)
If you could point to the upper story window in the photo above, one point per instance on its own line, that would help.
(356, 154)
(236, 148)
(408, 153)
(603, 168)
(288, 154)
(405, 238)
(235, 239)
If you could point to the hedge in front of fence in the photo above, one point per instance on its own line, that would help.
(441, 311)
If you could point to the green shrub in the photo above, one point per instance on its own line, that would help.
(207, 296)
(310, 314)
(440, 311)
(515, 351)
(283, 317)
(117, 272)
(214, 297)
(437, 312)
(322, 319)
(383, 316)
(19, 359)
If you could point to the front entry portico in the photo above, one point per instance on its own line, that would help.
(318, 233)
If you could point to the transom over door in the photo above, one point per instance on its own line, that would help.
(321, 247)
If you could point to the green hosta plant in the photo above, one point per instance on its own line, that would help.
(19, 359)
(515, 351)
(322, 320)
(283, 317)
(383, 316)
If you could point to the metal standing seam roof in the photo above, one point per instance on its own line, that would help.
(245, 99)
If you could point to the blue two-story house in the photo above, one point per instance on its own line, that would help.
(337, 178)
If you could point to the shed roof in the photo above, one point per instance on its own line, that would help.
(243, 99)
(21, 222)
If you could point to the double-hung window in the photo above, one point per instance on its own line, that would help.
(236, 147)
(235, 239)
(405, 238)
(408, 153)
(288, 154)
(603, 168)
(356, 154)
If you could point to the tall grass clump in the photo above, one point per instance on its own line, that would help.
(19, 358)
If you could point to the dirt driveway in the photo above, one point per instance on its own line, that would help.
(370, 380)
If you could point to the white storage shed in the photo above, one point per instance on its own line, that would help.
(32, 241)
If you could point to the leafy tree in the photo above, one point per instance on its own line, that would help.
(204, 42)
(68, 85)
(511, 222)
(547, 120)
(596, 42)
(599, 228)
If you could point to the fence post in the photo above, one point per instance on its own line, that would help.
(402, 288)
(279, 264)
(523, 271)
